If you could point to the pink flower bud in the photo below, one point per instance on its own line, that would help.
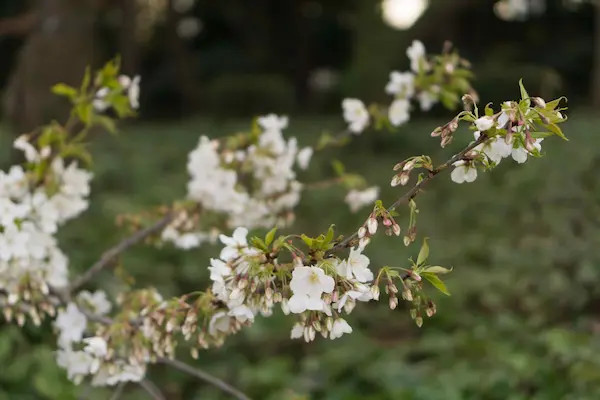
(415, 276)
(396, 180)
(396, 229)
(362, 231)
(387, 222)
(409, 165)
(372, 225)
(404, 179)
(399, 165)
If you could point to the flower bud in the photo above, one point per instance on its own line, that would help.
(404, 177)
(415, 276)
(375, 292)
(396, 229)
(446, 141)
(409, 165)
(387, 222)
(298, 262)
(399, 166)
(437, 132)
(539, 102)
(406, 241)
(362, 231)
(407, 295)
(419, 321)
(396, 180)
(429, 312)
(453, 125)
(372, 225)
(393, 303)
(364, 242)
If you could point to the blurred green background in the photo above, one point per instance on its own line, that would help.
(523, 321)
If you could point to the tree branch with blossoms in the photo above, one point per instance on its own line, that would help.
(244, 182)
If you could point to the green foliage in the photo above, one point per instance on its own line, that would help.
(243, 95)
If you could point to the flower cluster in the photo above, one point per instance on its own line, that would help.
(108, 96)
(423, 82)
(82, 355)
(31, 263)
(250, 183)
(510, 133)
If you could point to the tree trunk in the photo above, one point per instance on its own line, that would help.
(596, 50)
(58, 49)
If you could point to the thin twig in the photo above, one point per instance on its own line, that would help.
(109, 255)
(415, 189)
(118, 392)
(151, 389)
(205, 376)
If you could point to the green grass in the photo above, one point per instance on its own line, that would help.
(523, 241)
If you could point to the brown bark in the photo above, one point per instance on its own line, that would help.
(58, 49)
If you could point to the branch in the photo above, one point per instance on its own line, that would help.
(109, 255)
(204, 376)
(412, 193)
(151, 389)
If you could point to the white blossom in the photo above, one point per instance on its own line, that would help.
(520, 154)
(399, 112)
(416, 53)
(463, 172)
(355, 114)
(340, 326)
(304, 156)
(96, 346)
(401, 84)
(484, 123)
(71, 324)
(357, 199)
(495, 148)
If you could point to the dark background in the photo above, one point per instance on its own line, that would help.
(523, 321)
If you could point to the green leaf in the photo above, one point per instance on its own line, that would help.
(61, 89)
(106, 122)
(557, 131)
(307, 240)
(524, 94)
(258, 243)
(436, 269)
(423, 253)
(330, 234)
(84, 112)
(436, 282)
(87, 77)
(551, 105)
(270, 236)
(338, 167)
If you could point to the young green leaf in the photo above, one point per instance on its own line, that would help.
(437, 270)
(64, 90)
(524, 94)
(270, 236)
(423, 253)
(436, 282)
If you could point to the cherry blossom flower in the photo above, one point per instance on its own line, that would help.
(463, 172)
(355, 114)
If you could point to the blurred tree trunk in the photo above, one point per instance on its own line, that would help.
(186, 81)
(58, 49)
(596, 50)
(128, 45)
